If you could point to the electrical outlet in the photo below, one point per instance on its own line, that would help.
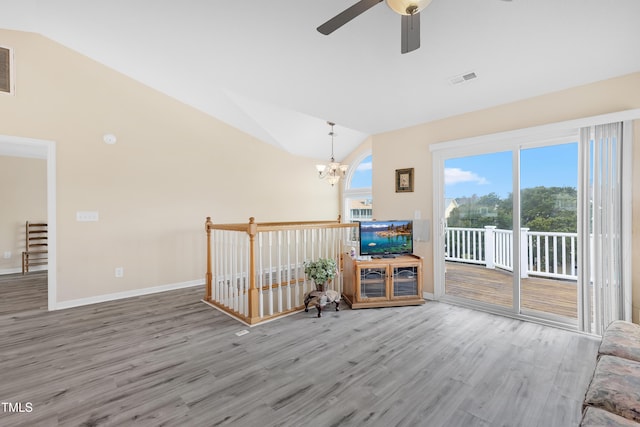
(7, 255)
(119, 272)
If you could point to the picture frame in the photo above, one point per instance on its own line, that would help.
(404, 180)
(6, 70)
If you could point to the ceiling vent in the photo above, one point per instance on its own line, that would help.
(456, 80)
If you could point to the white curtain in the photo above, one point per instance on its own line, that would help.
(602, 293)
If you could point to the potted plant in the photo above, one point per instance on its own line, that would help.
(321, 271)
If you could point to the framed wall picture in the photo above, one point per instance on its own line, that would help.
(5, 70)
(404, 180)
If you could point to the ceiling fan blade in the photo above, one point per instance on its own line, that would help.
(410, 39)
(347, 15)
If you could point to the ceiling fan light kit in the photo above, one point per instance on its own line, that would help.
(407, 7)
(409, 10)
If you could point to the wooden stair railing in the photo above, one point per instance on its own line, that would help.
(255, 271)
(36, 245)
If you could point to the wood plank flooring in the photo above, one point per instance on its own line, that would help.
(170, 360)
(559, 297)
(19, 293)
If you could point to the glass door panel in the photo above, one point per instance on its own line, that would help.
(373, 282)
(548, 218)
(478, 229)
(405, 281)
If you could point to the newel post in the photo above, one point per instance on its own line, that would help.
(207, 226)
(489, 246)
(254, 295)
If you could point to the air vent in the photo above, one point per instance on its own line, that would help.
(456, 80)
(5, 70)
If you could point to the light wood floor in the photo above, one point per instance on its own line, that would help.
(170, 360)
(559, 297)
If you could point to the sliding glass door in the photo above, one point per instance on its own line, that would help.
(531, 271)
(537, 222)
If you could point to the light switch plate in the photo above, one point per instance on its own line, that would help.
(87, 216)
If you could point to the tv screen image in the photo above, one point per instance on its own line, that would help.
(386, 237)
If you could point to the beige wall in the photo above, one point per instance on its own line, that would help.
(155, 186)
(171, 167)
(23, 197)
(410, 148)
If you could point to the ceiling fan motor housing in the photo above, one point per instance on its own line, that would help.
(407, 7)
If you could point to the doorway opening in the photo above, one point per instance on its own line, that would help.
(14, 146)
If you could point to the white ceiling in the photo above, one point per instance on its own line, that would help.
(262, 67)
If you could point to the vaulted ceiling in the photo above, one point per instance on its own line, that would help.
(262, 67)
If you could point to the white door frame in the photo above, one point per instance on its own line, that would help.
(15, 146)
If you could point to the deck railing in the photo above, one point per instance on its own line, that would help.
(546, 254)
(255, 271)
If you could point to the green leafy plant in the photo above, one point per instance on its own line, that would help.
(321, 270)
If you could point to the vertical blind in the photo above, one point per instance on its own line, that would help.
(602, 294)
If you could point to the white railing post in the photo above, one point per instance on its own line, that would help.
(489, 246)
(524, 257)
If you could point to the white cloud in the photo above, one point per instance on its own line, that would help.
(457, 175)
(364, 166)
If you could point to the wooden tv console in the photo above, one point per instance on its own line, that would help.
(383, 282)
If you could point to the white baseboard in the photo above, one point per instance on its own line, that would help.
(126, 294)
(428, 295)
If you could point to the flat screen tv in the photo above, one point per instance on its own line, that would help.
(386, 238)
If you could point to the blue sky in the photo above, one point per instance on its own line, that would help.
(553, 166)
(362, 175)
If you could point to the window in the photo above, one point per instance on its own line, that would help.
(358, 200)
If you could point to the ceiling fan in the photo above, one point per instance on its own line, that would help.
(408, 9)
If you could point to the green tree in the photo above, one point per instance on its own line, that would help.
(549, 208)
(541, 209)
(474, 211)
(505, 213)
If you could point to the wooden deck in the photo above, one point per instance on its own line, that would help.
(559, 297)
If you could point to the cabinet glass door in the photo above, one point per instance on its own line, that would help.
(405, 281)
(373, 282)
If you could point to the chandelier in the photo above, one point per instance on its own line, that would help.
(334, 170)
